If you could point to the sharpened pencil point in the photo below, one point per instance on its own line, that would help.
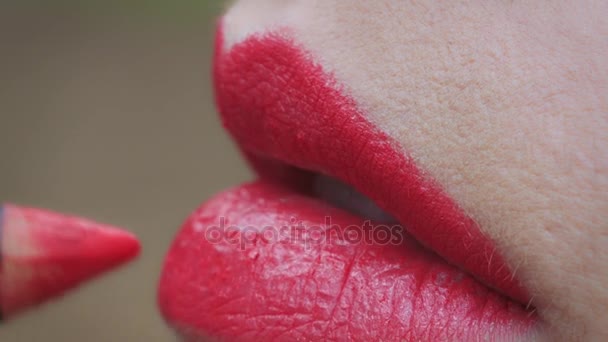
(43, 254)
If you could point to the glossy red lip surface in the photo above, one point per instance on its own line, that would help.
(281, 107)
(241, 283)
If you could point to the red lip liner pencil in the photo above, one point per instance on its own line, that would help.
(43, 254)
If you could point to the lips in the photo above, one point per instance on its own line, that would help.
(270, 260)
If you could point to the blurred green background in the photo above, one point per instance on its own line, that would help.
(106, 112)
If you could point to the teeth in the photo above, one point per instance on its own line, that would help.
(346, 197)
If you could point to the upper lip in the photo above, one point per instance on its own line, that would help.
(278, 104)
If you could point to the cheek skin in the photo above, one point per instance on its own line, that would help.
(504, 105)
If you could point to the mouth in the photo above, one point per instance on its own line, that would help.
(342, 235)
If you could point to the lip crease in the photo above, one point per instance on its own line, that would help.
(283, 109)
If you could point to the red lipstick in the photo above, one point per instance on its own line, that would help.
(280, 105)
(287, 114)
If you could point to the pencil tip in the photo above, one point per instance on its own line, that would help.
(44, 254)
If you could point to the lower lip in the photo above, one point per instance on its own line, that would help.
(260, 262)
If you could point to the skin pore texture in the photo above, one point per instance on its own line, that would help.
(504, 104)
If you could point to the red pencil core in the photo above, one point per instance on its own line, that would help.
(45, 254)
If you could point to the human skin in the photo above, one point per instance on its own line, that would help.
(503, 104)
